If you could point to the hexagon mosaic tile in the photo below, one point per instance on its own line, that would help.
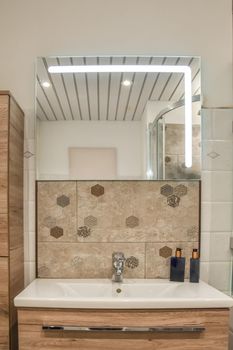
(56, 232)
(80, 224)
(84, 231)
(97, 190)
(132, 221)
(90, 221)
(166, 190)
(173, 201)
(132, 262)
(56, 206)
(165, 252)
(63, 201)
(180, 190)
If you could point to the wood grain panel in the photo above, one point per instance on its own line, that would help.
(4, 118)
(15, 190)
(16, 185)
(11, 216)
(214, 338)
(85, 317)
(3, 234)
(17, 117)
(16, 275)
(4, 304)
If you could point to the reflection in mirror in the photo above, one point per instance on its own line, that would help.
(116, 125)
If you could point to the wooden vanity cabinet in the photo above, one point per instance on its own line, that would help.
(32, 336)
(11, 216)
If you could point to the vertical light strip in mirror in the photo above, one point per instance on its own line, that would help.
(186, 70)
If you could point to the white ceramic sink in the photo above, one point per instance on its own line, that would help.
(139, 293)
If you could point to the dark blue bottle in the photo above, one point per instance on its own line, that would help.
(177, 267)
(194, 267)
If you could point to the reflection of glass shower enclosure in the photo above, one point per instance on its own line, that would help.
(166, 146)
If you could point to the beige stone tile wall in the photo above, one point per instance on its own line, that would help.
(81, 223)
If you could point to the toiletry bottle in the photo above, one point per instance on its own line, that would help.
(177, 266)
(194, 267)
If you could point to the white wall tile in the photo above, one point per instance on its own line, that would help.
(25, 184)
(217, 193)
(217, 124)
(220, 275)
(29, 272)
(222, 124)
(31, 216)
(219, 249)
(26, 246)
(31, 185)
(216, 217)
(204, 271)
(207, 124)
(205, 247)
(217, 186)
(29, 154)
(29, 125)
(32, 246)
(25, 216)
(217, 155)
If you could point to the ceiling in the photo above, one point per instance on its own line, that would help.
(102, 96)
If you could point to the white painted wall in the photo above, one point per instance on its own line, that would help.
(54, 139)
(30, 28)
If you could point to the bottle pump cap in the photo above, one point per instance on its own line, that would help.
(195, 254)
(178, 252)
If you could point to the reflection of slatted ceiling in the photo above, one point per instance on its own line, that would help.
(101, 96)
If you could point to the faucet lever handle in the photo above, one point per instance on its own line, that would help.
(118, 256)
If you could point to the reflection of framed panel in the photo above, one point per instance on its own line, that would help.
(90, 163)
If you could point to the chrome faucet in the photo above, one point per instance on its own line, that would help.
(118, 262)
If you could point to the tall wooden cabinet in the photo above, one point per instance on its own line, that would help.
(11, 216)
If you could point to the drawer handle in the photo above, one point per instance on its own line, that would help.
(183, 329)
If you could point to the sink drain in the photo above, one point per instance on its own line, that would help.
(118, 290)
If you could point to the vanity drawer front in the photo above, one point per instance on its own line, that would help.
(214, 337)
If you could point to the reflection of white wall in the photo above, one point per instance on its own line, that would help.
(88, 163)
(54, 138)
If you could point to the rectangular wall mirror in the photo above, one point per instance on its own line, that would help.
(118, 118)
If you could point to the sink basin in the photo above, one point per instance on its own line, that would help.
(103, 293)
(117, 290)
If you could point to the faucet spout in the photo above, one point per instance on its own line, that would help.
(118, 262)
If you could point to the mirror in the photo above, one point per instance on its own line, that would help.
(118, 117)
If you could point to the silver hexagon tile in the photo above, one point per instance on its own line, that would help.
(84, 231)
(180, 190)
(132, 262)
(90, 221)
(173, 201)
(166, 190)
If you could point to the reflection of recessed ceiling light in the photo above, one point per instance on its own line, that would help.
(126, 82)
(46, 84)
